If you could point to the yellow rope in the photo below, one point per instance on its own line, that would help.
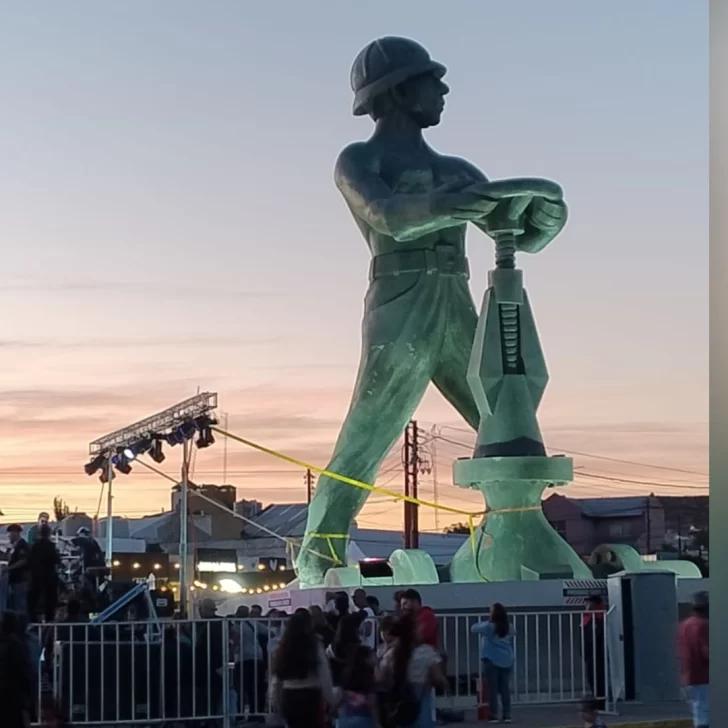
(288, 541)
(374, 489)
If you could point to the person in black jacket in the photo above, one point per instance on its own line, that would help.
(43, 564)
(16, 682)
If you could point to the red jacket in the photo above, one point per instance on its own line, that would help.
(427, 626)
(694, 647)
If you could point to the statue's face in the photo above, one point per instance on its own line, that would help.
(426, 99)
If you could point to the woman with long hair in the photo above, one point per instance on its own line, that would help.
(301, 680)
(496, 652)
(354, 681)
(346, 640)
(406, 675)
(321, 625)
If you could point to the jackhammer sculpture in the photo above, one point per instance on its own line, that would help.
(412, 205)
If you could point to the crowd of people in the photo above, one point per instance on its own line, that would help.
(356, 667)
(32, 570)
(346, 662)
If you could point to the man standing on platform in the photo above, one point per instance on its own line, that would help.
(43, 563)
(17, 570)
(43, 519)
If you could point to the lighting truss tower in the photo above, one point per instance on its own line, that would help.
(175, 425)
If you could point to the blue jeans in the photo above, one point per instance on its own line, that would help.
(354, 721)
(499, 689)
(699, 697)
(18, 598)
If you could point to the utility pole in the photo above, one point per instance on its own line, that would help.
(649, 523)
(308, 479)
(435, 485)
(407, 486)
(411, 482)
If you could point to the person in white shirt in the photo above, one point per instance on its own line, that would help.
(368, 629)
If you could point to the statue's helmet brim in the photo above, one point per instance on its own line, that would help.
(387, 82)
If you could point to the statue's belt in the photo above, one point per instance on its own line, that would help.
(444, 260)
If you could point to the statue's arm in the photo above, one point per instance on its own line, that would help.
(400, 216)
(543, 220)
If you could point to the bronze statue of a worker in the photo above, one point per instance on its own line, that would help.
(412, 205)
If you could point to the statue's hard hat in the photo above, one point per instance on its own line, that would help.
(385, 63)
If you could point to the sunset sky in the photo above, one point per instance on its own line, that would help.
(169, 221)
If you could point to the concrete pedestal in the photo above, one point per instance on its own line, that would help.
(514, 541)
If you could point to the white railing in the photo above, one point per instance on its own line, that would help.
(557, 658)
(123, 673)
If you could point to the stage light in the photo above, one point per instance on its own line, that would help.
(95, 465)
(186, 430)
(155, 451)
(205, 438)
(173, 438)
(138, 448)
(157, 567)
(136, 565)
(116, 563)
(121, 463)
(105, 474)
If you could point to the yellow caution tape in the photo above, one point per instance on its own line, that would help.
(340, 478)
(375, 489)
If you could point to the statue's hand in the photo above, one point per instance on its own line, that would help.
(546, 215)
(461, 200)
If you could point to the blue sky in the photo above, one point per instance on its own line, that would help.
(170, 221)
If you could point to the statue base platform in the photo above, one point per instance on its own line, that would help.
(514, 541)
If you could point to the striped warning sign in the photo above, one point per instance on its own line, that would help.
(575, 591)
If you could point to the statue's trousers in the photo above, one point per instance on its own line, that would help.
(418, 328)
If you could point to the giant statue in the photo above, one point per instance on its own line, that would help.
(412, 205)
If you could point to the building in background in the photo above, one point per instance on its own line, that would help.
(585, 523)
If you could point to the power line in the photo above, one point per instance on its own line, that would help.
(568, 451)
(630, 481)
(604, 477)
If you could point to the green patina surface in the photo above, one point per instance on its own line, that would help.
(412, 206)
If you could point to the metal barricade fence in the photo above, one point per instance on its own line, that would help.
(557, 657)
(218, 669)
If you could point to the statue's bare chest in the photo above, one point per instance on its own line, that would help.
(418, 175)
